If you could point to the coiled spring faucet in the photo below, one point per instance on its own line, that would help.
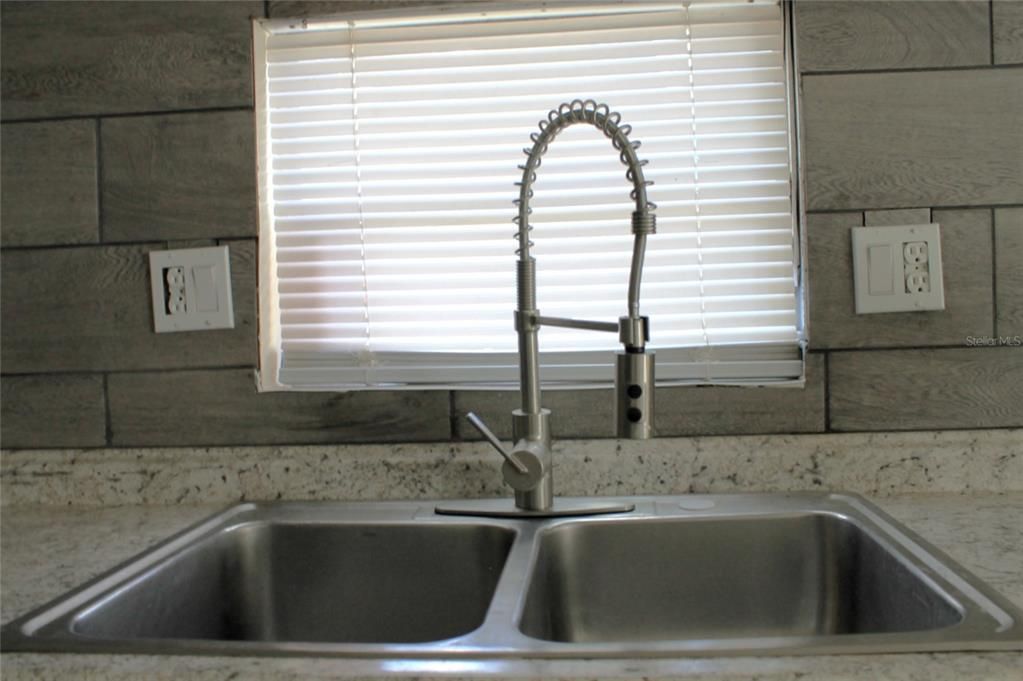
(527, 467)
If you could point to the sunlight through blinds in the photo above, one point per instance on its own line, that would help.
(389, 148)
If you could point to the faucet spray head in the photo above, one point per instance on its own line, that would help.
(634, 380)
(634, 392)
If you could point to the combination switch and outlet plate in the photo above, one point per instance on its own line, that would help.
(191, 289)
(897, 269)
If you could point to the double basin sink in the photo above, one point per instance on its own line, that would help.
(687, 575)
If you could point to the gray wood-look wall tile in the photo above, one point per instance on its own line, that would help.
(925, 389)
(48, 183)
(53, 411)
(921, 138)
(1009, 271)
(179, 176)
(855, 36)
(702, 410)
(218, 407)
(88, 309)
(83, 58)
(905, 216)
(812, 277)
(967, 257)
(175, 244)
(574, 413)
(728, 410)
(838, 219)
(1007, 29)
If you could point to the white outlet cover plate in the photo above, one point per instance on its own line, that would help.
(880, 283)
(208, 303)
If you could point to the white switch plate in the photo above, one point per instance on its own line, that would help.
(897, 268)
(203, 275)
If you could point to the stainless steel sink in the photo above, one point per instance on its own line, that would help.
(689, 575)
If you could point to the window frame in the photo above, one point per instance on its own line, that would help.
(269, 327)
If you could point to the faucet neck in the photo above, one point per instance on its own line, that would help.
(632, 328)
(609, 122)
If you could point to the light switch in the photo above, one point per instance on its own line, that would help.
(191, 289)
(897, 268)
(880, 276)
(205, 283)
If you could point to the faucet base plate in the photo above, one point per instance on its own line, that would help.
(505, 508)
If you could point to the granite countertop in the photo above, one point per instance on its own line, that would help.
(48, 549)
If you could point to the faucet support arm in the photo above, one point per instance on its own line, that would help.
(577, 324)
(633, 332)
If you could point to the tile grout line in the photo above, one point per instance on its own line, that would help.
(994, 273)
(375, 443)
(991, 29)
(109, 372)
(827, 392)
(128, 114)
(916, 69)
(872, 209)
(909, 348)
(112, 244)
(99, 179)
(452, 417)
(109, 432)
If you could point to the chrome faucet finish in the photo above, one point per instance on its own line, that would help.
(528, 465)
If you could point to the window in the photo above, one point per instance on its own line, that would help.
(389, 145)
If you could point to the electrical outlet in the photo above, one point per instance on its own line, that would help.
(175, 298)
(191, 289)
(914, 255)
(918, 282)
(884, 282)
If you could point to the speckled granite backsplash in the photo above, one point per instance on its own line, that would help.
(877, 464)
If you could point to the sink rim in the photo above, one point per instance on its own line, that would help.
(499, 635)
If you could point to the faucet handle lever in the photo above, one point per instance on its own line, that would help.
(479, 425)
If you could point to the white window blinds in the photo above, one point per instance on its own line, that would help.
(388, 154)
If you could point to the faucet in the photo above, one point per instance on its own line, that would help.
(527, 467)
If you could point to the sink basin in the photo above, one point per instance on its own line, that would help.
(800, 575)
(689, 575)
(286, 581)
